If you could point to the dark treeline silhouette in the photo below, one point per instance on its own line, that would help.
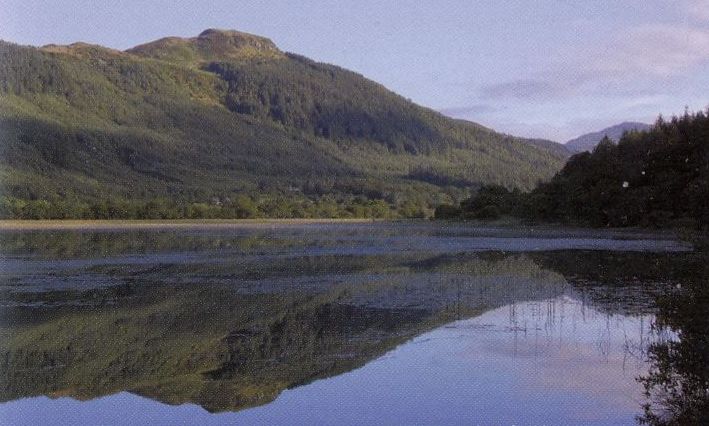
(658, 177)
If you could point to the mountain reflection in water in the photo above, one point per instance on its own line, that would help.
(231, 320)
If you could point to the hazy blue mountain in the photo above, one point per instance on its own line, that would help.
(589, 141)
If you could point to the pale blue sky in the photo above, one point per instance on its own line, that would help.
(546, 68)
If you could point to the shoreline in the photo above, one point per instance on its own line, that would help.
(487, 228)
(101, 224)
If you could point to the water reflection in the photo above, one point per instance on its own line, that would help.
(677, 384)
(572, 365)
(231, 320)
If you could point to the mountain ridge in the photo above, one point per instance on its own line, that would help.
(85, 125)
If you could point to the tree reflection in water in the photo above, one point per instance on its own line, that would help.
(677, 384)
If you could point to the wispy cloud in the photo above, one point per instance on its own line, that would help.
(661, 50)
(629, 72)
(699, 10)
(526, 88)
(641, 101)
(653, 52)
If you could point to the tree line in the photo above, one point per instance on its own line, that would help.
(654, 178)
(241, 207)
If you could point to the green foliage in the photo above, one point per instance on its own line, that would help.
(655, 178)
(446, 211)
(242, 207)
(650, 178)
(92, 132)
(490, 202)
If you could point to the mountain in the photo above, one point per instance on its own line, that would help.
(589, 141)
(225, 124)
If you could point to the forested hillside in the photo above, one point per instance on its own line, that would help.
(659, 177)
(226, 125)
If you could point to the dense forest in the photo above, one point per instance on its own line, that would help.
(226, 125)
(658, 177)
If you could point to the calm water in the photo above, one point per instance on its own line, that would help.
(350, 324)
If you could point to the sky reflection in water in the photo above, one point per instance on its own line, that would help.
(552, 359)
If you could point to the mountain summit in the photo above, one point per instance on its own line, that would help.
(210, 45)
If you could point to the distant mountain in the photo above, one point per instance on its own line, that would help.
(205, 120)
(589, 141)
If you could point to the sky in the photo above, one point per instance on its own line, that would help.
(551, 69)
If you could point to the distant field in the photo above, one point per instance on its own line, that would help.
(11, 225)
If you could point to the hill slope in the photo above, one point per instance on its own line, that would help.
(589, 141)
(204, 121)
